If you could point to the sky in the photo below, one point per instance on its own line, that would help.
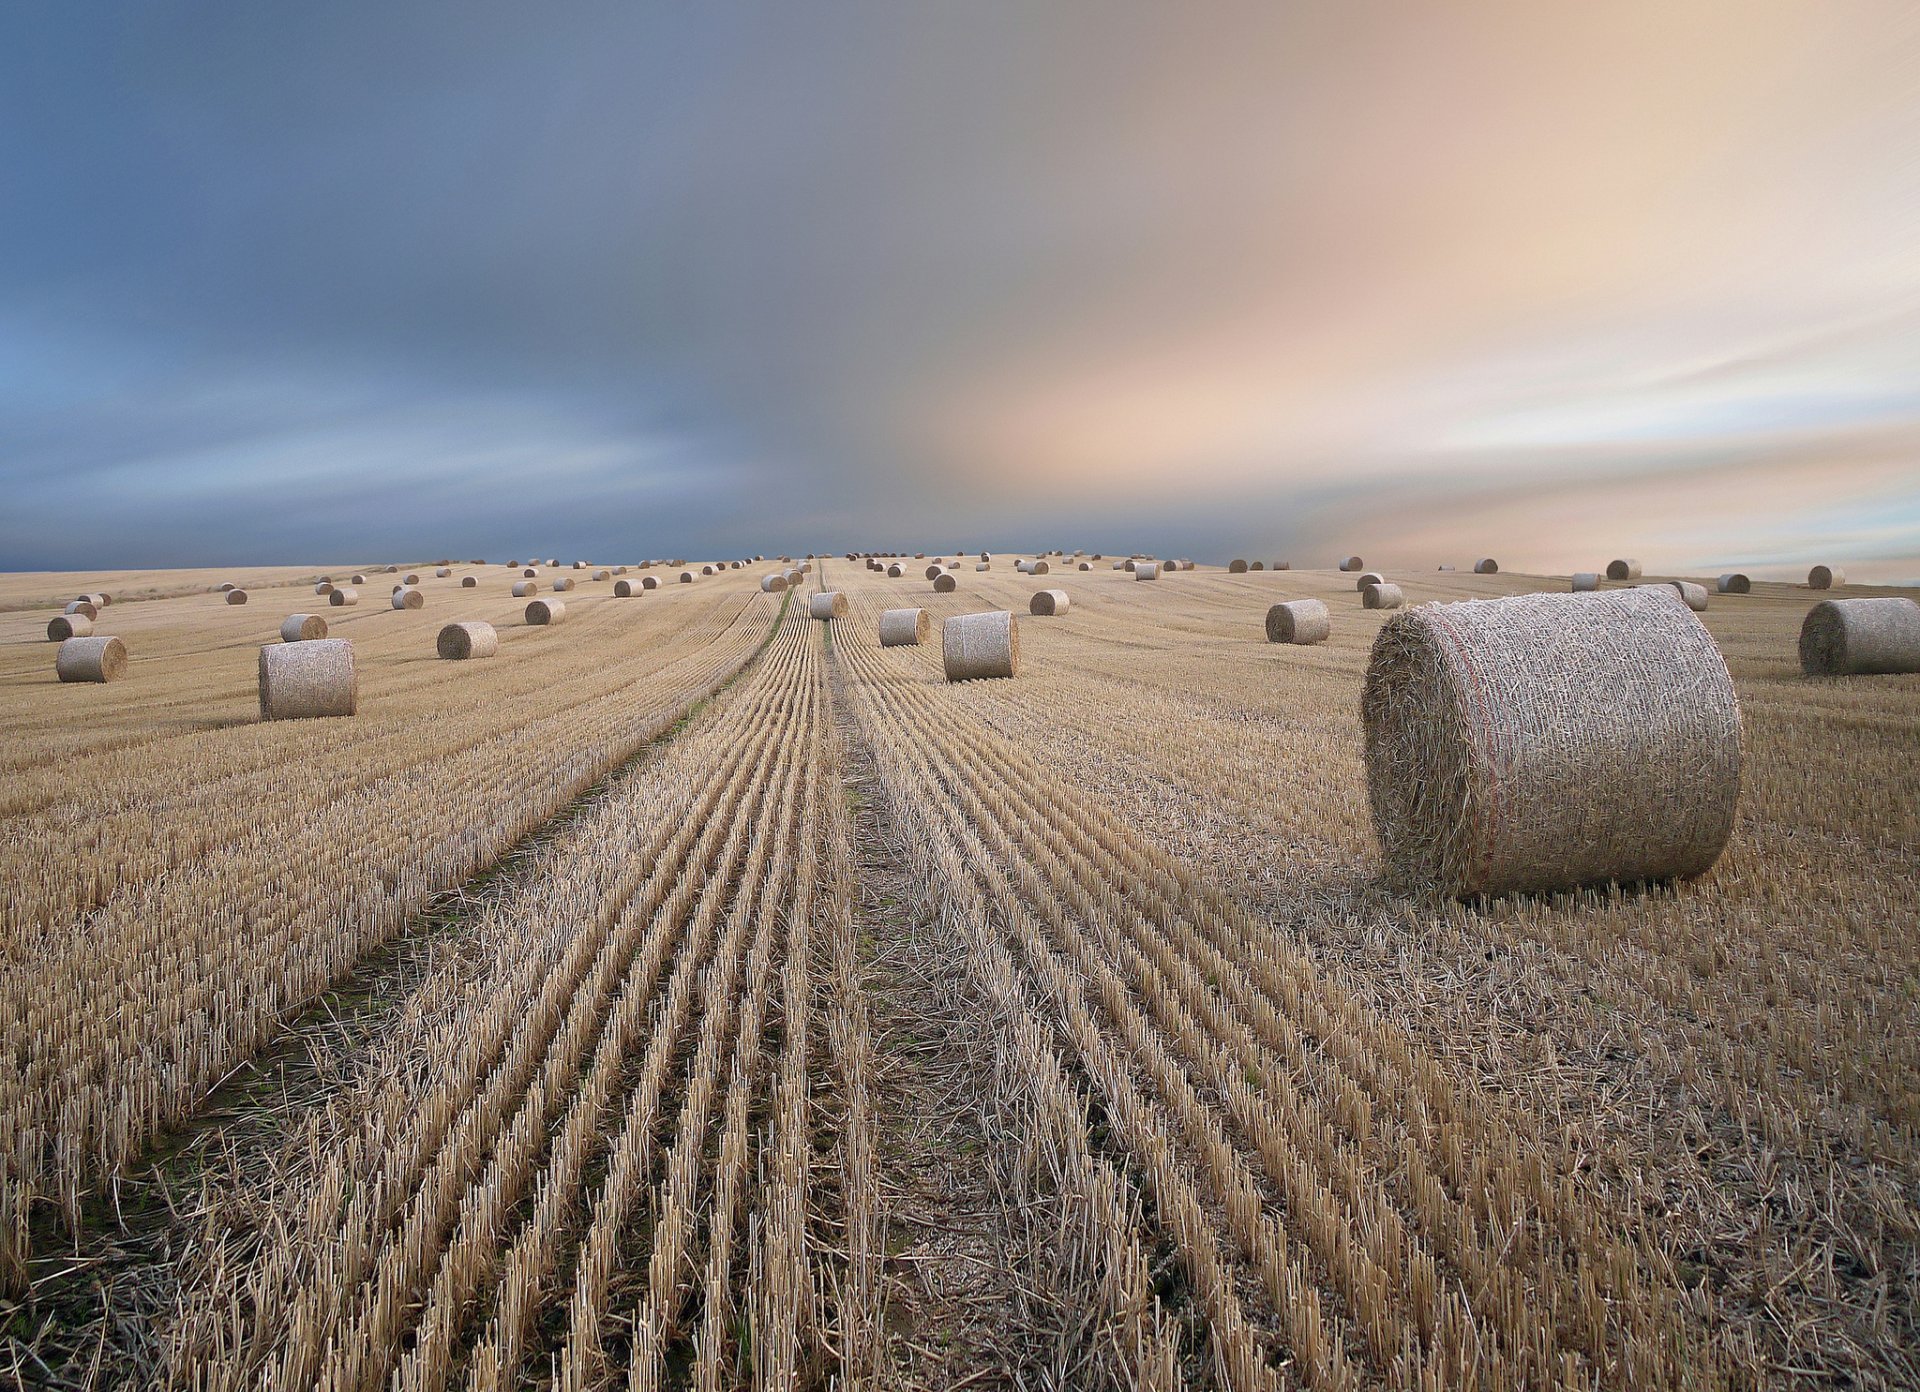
(1548, 282)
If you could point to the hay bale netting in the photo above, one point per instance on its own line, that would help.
(1382, 596)
(1860, 637)
(1546, 741)
(1734, 583)
(1486, 565)
(308, 681)
(901, 628)
(64, 626)
(443, 571)
(1236, 566)
(323, 587)
(1371, 577)
(773, 584)
(471, 638)
(1353, 563)
(84, 608)
(85, 658)
(468, 582)
(523, 589)
(1049, 603)
(946, 582)
(1826, 578)
(1300, 621)
(302, 628)
(1623, 570)
(827, 604)
(546, 611)
(1585, 580)
(342, 596)
(980, 645)
(649, 582)
(407, 597)
(1694, 595)
(1146, 570)
(236, 596)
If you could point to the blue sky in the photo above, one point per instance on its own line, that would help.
(289, 283)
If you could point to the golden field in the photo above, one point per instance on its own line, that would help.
(695, 994)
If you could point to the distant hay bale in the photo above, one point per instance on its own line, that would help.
(1236, 566)
(72, 625)
(902, 628)
(343, 596)
(524, 588)
(513, 565)
(796, 578)
(1127, 565)
(406, 597)
(579, 565)
(772, 584)
(443, 571)
(563, 582)
(985, 557)
(1049, 603)
(1300, 621)
(686, 577)
(358, 580)
(1382, 596)
(1251, 565)
(623, 589)
(934, 570)
(410, 578)
(1486, 565)
(1352, 563)
(1283, 565)
(1146, 570)
(529, 571)
(649, 582)
(468, 582)
(1039, 568)
(1694, 595)
(323, 587)
(1086, 565)
(302, 628)
(1623, 570)
(1584, 580)
(980, 645)
(236, 596)
(827, 604)
(226, 585)
(309, 680)
(84, 607)
(895, 571)
(470, 638)
(1860, 637)
(1096, 556)
(546, 611)
(1545, 742)
(391, 570)
(1733, 582)
(706, 570)
(983, 565)
(945, 582)
(84, 658)
(1826, 578)
(1371, 577)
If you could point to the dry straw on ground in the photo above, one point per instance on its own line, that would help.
(470, 638)
(406, 597)
(343, 596)
(546, 611)
(302, 628)
(1298, 621)
(302, 681)
(904, 627)
(1049, 602)
(64, 626)
(91, 659)
(980, 645)
(827, 604)
(1735, 583)
(1623, 570)
(1382, 595)
(1859, 637)
(1826, 578)
(1545, 741)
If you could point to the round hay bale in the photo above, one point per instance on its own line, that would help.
(522, 589)
(83, 607)
(1382, 596)
(443, 571)
(226, 585)
(1623, 570)
(934, 570)
(1545, 742)
(1283, 565)
(1049, 603)
(513, 565)
(1826, 578)
(410, 578)
(236, 596)
(686, 577)
(985, 557)
(72, 625)
(1585, 580)
(624, 589)
(471, 638)
(323, 587)
(1038, 568)
(406, 597)
(1086, 565)
(564, 582)
(649, 582)
(306, 681)
(706, 570)
(1371, 577)
(603, 575)
(358, 580)
(1096, 556)
(1486, 565)
(1236, 566)
(468, 582)
(546, 611)
(895, 571)
(391, 570)
(772, 584)
(983, 565)
(980, 645)
(1352, 563)
(1695, 595)
(796, 578)
(302, 628)
(1860, 637)
(945, 582)
(341, 597)
(580, 565)
(827, 604)
(84, 658)
(1300, 621)
(1251, 565)
(1146, 570)
(528, 572)
(1734, 583)
(903, 628)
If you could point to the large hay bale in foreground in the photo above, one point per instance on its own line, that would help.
(470, 638)
(1549, 741)
(407, 597)
(904, 628)
(1236, 566)
(1299, 621)
(1623, 570)
(1146, 570)
(64, 626)
(946, 582)
(1585, 580)
(236, 596)
(546, 611)
(1860, 637)
(302, 628)
(1734, 582)
(523, 589)
(308, 681)
(1486, 565)
(85, 658)
(1049, 603)
(1826, 578)
(1382, 596)
(980, 645)
(343, 596)
(827, 604)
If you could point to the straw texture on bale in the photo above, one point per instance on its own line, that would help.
(546, 611)
(64, 626)
(1236, 566)
(323, 587)
(895, 571)
(1860, 637)
(1299, 621)
(468, 582)
(827, 604)
(1545, 742)
(85, 658)
(1372, 577)
(1353, 563)
(1735, 583)
(85, 608)
(649, 582)
(1826, 578)
(1382, 596)
(1049, 602)
(1694, 595)
(603, 575)
(706, 570)
(343, 596)
(945, 582)
(307, 681)
(773, 584)
(934, 570)
(1486, 565)
(443, 571)
(470, 638)
(686, 577)
(902, 628)
(236, 596)
(624, 589)
(524, 588)
(302, 628)
(358, 580)
(410, 578)
(980, 645)
(1585, 580)
(406, 597)
(1623, 570)
(563, 582)
(1146, 570)
(529, 571)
